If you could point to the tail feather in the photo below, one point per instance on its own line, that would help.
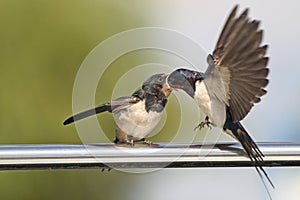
(87, 113)
(236, 130)
(251, 149)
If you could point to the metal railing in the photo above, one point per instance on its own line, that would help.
(72, 156)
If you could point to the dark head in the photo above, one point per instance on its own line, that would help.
(184, 79)
(157, 82)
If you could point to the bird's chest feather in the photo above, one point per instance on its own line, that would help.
(211, 105)
(136, 121)
(140, 116)
(202, 98)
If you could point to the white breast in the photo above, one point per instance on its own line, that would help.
(202, 98)
(136, 121)
(210, 104)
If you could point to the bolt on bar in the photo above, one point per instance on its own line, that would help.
(178, 155)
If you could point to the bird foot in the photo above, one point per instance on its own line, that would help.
(148, 142)
(203, 123)
(130, 142)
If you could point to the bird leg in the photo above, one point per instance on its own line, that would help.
(123, 138)
(203, 123)
(129, 142)
(147, 142)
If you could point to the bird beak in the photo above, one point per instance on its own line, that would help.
(184, 79)
(179, 79)
(166, 89)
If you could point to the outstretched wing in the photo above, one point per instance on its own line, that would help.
(237, 69)
(112, 106)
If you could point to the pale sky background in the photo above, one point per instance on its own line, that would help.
(275, 119)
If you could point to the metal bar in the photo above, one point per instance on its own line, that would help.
(72, 156)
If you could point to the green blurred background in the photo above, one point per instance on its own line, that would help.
(44, 42)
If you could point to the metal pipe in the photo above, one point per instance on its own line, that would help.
(72, 156)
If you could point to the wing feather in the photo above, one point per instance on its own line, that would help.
(111, 106)
(239, 59)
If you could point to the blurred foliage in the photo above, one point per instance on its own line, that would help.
(43, 43)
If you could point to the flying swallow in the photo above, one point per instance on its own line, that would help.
(136, 115)
(233, 82)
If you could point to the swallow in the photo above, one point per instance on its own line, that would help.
(136, 115)
(232, 83)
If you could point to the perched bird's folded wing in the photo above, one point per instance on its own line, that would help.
(112, 106)
(238, 65)
(123, 103)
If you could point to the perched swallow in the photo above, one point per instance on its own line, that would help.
(136, 115)
(234, 80)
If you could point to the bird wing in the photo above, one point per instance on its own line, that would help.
(122, 103)
(237, 68)
(111, 106)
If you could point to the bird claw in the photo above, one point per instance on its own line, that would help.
(148, 142)
(130, 142)
(203, 123)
